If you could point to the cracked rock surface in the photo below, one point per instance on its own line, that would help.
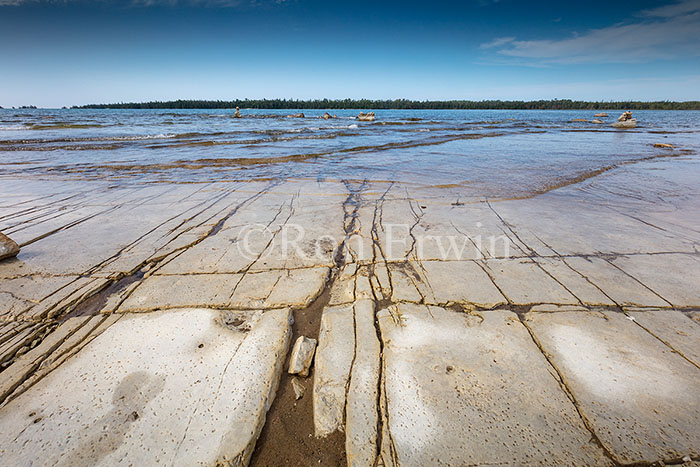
(473, 389)
(638, 395)
(200, 398)
(150, 322)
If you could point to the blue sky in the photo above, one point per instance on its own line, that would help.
(69, 52)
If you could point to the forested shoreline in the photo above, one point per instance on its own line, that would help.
(400, 104)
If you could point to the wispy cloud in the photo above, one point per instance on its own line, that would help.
(673, 10)
(666, 32)
(497, 42)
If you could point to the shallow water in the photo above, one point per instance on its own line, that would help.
(496, 153)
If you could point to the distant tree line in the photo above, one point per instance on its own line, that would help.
(555, 104)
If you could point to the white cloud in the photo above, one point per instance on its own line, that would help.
(667, 32)
(675, 9)
(498, 42)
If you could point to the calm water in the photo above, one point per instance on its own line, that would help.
(502, 153)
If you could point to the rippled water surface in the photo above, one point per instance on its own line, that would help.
(501, 153)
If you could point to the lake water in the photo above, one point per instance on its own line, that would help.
(496, 153)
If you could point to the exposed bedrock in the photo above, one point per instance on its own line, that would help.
(152, 323)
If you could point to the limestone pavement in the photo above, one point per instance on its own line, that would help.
(148, 324)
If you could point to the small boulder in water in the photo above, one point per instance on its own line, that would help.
(664, 146)
(366, 117)
(238, 113)
(627, 115)
(601, 115)
(626, 124)
(597, 122)
(8, 247)
(327, 116)
(625, 121)
(299, 115)
(579, 120)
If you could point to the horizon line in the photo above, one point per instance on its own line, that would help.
(381, 104)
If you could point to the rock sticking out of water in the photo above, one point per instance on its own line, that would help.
(302, 354)
(327, 116)
(8, 247)
(238, 113)
(299, 115)
(366, 117)
(626, 124)
(625, 121)
(625, 116)
(597, 122)
(601, 115)
(664, 145)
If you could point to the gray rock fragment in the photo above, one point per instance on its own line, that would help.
(299, 388)
(302, 355)
(8, 247)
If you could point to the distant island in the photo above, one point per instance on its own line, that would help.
(400, 104)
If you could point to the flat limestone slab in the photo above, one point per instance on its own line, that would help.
(524, 282)
(334, 356)
(673, 276)
(269, 289)
(640, 397)
(622, 288)
(579, 285)
(461, 281)
(179, 388)
(468, 389)
(361, 405)
(673, 327)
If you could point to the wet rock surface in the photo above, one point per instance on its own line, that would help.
(146, 305)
